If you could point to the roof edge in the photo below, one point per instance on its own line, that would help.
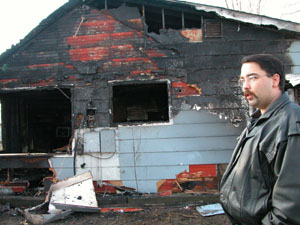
(251, 18)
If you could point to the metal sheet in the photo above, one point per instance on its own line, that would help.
(91, 142)
(108, 142)
(210, 210)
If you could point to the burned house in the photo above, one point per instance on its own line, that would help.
(143, 94)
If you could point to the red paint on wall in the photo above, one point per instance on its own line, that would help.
(43, 83)
(73, 78)
(133, 59)
(104, 188)
(5, 81)
(49, 65)
(154, 53)
(86, 40)
(13, 189)
(185, 89)
(89, 54)
(207, 170)
(122, 47)
(45, 65)
(100, 53)
(99, 24)
(69, 66)
(141, 72)
(121, 210)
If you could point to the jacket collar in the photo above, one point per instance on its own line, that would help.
(280, 102)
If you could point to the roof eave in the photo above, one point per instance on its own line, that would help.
(251, 18)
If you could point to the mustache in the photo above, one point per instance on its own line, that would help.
(247, 92)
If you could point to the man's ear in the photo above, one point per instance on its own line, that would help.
(276, 80)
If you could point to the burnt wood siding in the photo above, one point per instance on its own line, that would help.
(87, 47)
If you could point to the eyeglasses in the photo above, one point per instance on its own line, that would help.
(252, 78)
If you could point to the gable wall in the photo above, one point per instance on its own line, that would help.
(88, 50)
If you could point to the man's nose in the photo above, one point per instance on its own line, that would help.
(246, 84)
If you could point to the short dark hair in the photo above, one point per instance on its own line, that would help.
(270, 64)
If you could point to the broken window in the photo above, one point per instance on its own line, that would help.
(36, 121)
(147, 102)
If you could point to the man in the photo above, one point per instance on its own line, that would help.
(261, 184)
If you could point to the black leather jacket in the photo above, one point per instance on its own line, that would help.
(261, 184)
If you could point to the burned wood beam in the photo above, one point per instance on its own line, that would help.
(24, 161)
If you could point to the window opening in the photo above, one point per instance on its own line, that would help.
(157, 17)
(140, 103)
(36, 121)
(162, 18)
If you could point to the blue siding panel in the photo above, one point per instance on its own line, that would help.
(148, 186)
(193, 116)
(178, 158)
(177, 131)
(151, 172)
(178, 144)
(295, 47)
(155, 152)
(294, 53)
(63, 167)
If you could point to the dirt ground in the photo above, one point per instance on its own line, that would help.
(155, 215)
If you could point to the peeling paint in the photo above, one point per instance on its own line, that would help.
(197, 107)
(185, 89)
(85, 40)
(194, 35)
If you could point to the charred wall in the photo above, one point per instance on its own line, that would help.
(87, 49)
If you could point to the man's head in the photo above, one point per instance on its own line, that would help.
(270, 64)
(262, 78)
